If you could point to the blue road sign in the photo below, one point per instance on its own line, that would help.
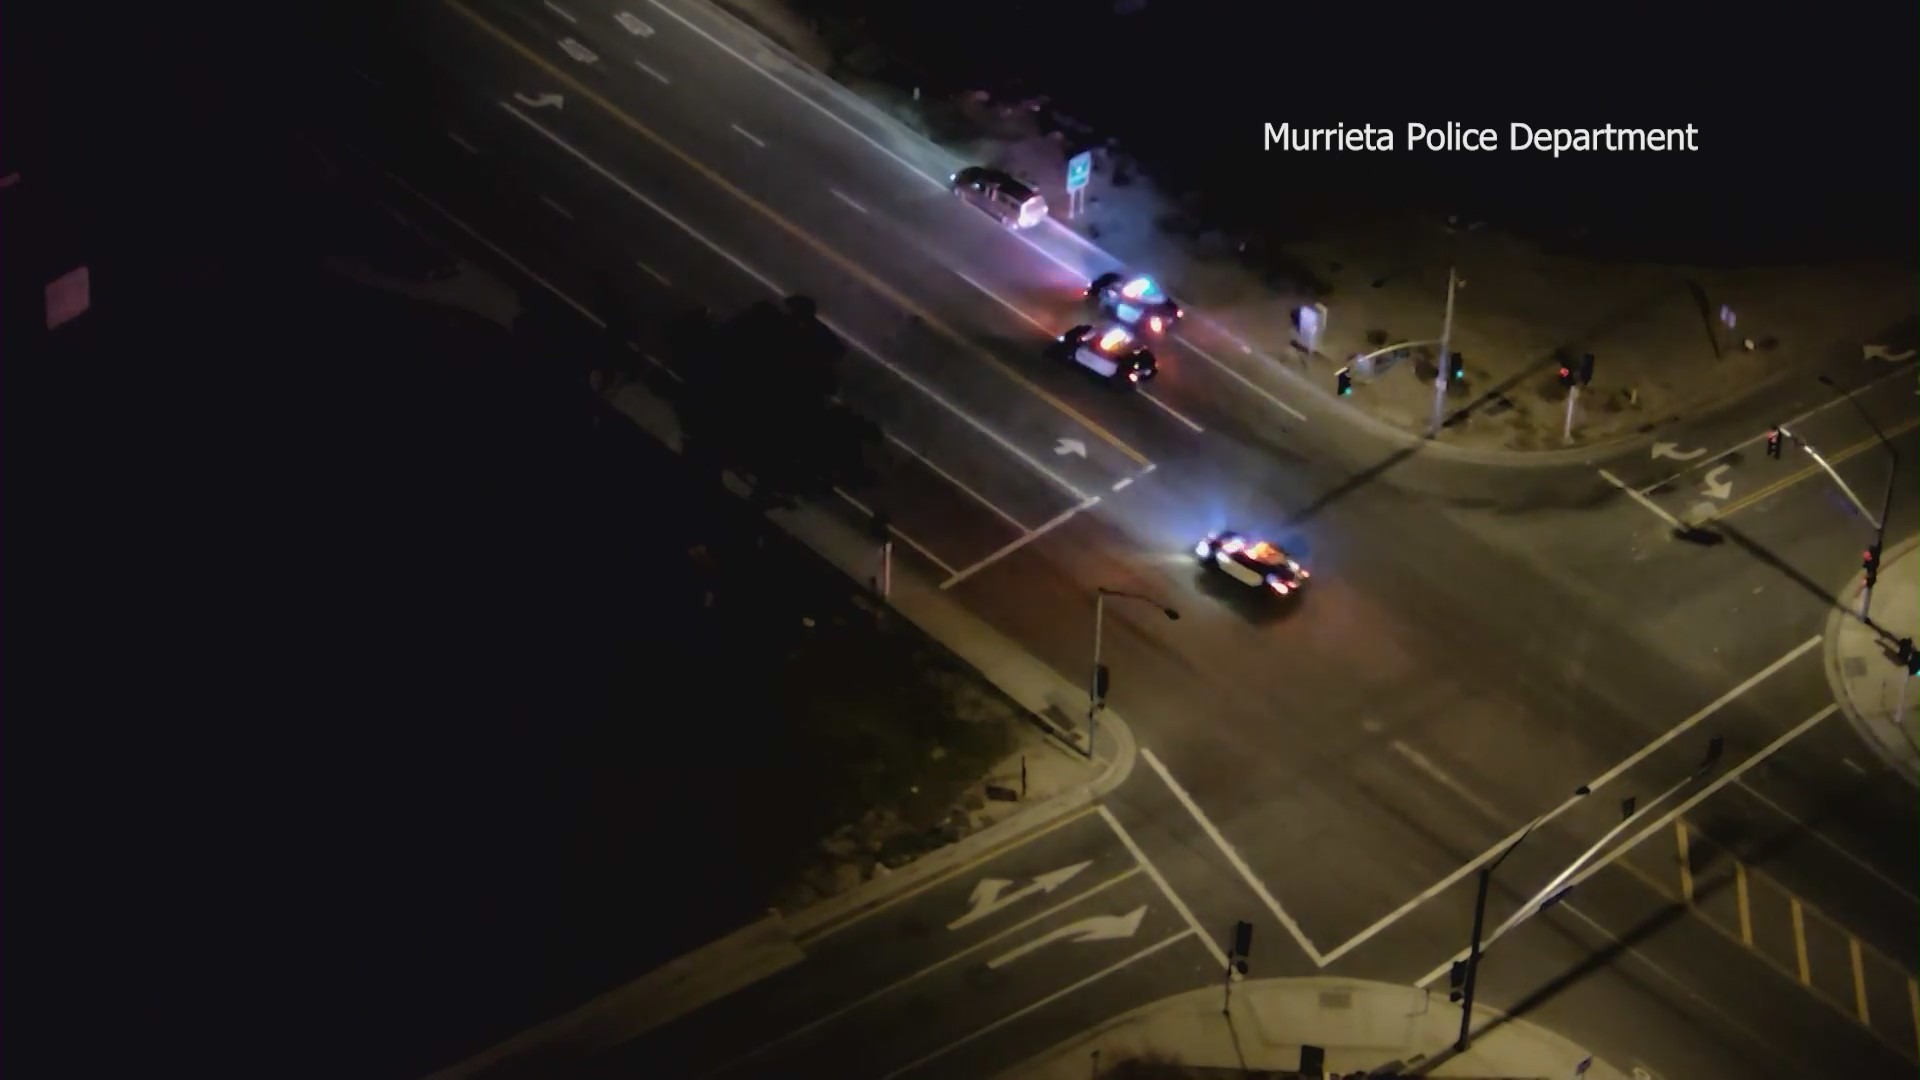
(1079, 170)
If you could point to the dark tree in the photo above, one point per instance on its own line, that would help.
(758, 397)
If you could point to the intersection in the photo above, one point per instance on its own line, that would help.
(1312, 770)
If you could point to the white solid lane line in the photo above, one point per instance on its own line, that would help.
(557, 208)
(896, 370)
(558, 10)
(1650, 506)
(942, 184)
(495, 248)
(655, 274)
(1233, 857)
(1042, 327)
(938, 965)
(842, 196)
(1063, 517)
(1009, 305)
(462, 143)
(1221, 366)
(798, 96)
(1173, 412)
(748, 135)
(1446, 780)
(958, 483)
(1664, 822)
(1807, 829)
(1592, 786)
(1041, 1004)
(664, 81)
(908, 540)
(1179, 905)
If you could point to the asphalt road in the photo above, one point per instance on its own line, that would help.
(1479, 640)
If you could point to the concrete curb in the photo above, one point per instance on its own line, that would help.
(922, 603)
(1578, 455)
(1838, 623)
(769, 945)
(984, 648)
(681, 985)
(1370, 1042)
(772, 943)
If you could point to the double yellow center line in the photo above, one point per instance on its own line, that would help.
(1785, 482)
(852, 268)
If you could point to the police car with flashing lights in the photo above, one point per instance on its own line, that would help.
(1112, 352)
(1135, 299)
(1257, 564)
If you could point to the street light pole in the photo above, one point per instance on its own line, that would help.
(1480, 922)
(1095, 691)
(1440, 377)
(1886, 502)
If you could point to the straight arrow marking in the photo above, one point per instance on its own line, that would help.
(1070, 446)
(986, 898)
(1097, 928)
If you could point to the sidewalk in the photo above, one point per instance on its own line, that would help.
(1362, 1026)
(1870, 685)
(1049, 775)
(1651, 328)
(1058, 779)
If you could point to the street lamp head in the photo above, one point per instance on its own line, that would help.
(1172, 615)
(1583, 790)
(1827, 381)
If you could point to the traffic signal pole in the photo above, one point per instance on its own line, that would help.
(1886, 503)
(1879, 523)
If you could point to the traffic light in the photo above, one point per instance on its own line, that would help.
(1102, 681)
(1870, 562)
(1566, 375)
(1586, 369)
(1456, 367)
(1343, 382)
(1774, 438)
(1456, 980)
(1908, 656)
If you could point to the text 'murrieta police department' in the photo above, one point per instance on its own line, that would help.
(1455, 137)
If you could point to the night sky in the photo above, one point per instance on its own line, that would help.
(1807, 120)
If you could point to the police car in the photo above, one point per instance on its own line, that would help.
(1112, 352)
(1136, 300)
(1256, 564)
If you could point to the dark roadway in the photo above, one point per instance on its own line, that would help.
(1480, 640)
